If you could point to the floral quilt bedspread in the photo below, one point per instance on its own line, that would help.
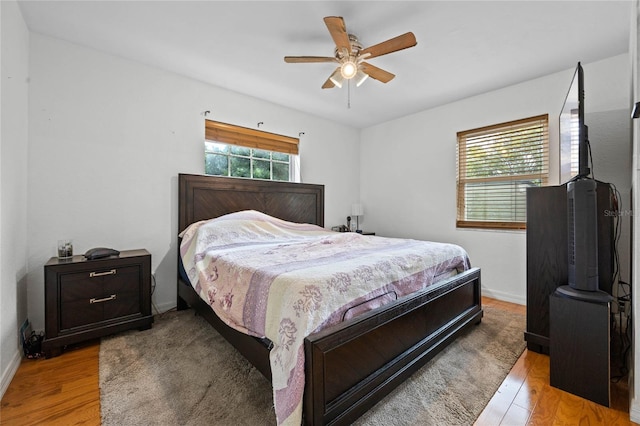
(270, 278)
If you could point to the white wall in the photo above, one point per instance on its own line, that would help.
(607, 114)
(408, 166)
(107, 139)
(13, 187)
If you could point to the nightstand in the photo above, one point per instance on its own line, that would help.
(87, 299)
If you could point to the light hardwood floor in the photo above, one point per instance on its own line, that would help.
(64, 391)
(526, 398)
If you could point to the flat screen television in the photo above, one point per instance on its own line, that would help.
(574, 138)
(582, 205)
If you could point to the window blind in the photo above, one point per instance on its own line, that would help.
(250, 138)
(495, 166)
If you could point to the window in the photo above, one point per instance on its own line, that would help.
(241, 152)
(231, 160)
(496, 165)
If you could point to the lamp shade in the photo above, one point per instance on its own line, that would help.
(360, 78)
(356, 209)
(336, 78)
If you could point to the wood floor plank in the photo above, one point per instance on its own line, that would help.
(503, 399)
(59, 391)
(546, 406)
(516, 416)
(536, 382)
(493, 413)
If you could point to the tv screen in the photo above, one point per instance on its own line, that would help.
(573, 132)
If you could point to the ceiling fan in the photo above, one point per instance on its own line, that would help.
(350, 55)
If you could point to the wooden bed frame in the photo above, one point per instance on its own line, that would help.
(352, 365)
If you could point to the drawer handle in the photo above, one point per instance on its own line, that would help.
(104, 299)
(101, 274)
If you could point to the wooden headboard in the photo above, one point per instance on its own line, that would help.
(203, 197)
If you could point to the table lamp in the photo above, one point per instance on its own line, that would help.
(357, 211)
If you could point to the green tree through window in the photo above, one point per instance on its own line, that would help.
(231, 150)
(229, 160)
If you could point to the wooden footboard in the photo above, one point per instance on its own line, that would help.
(353, 365)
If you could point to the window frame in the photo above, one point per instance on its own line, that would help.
(252, 139)
(501, 131)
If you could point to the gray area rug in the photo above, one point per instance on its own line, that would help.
(182, 372)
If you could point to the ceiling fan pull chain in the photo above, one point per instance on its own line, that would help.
(348, 94)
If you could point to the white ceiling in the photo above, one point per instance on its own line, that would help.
(464, 47)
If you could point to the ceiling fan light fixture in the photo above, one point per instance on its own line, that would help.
(349, 55)
(348, 69)
(360, 77)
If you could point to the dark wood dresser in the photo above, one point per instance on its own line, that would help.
(547, 254)
(87, 299)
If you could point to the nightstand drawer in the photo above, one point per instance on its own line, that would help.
(88, 312)
(98, 295)
(98, 284)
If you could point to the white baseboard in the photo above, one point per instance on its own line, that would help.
(634, 411)
(9, 372)
(506, 297)
(163, 307)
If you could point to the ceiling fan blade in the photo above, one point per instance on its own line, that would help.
(377, 73)
(308, 59)
(328, 84)
(338, 32)
(403, 41)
